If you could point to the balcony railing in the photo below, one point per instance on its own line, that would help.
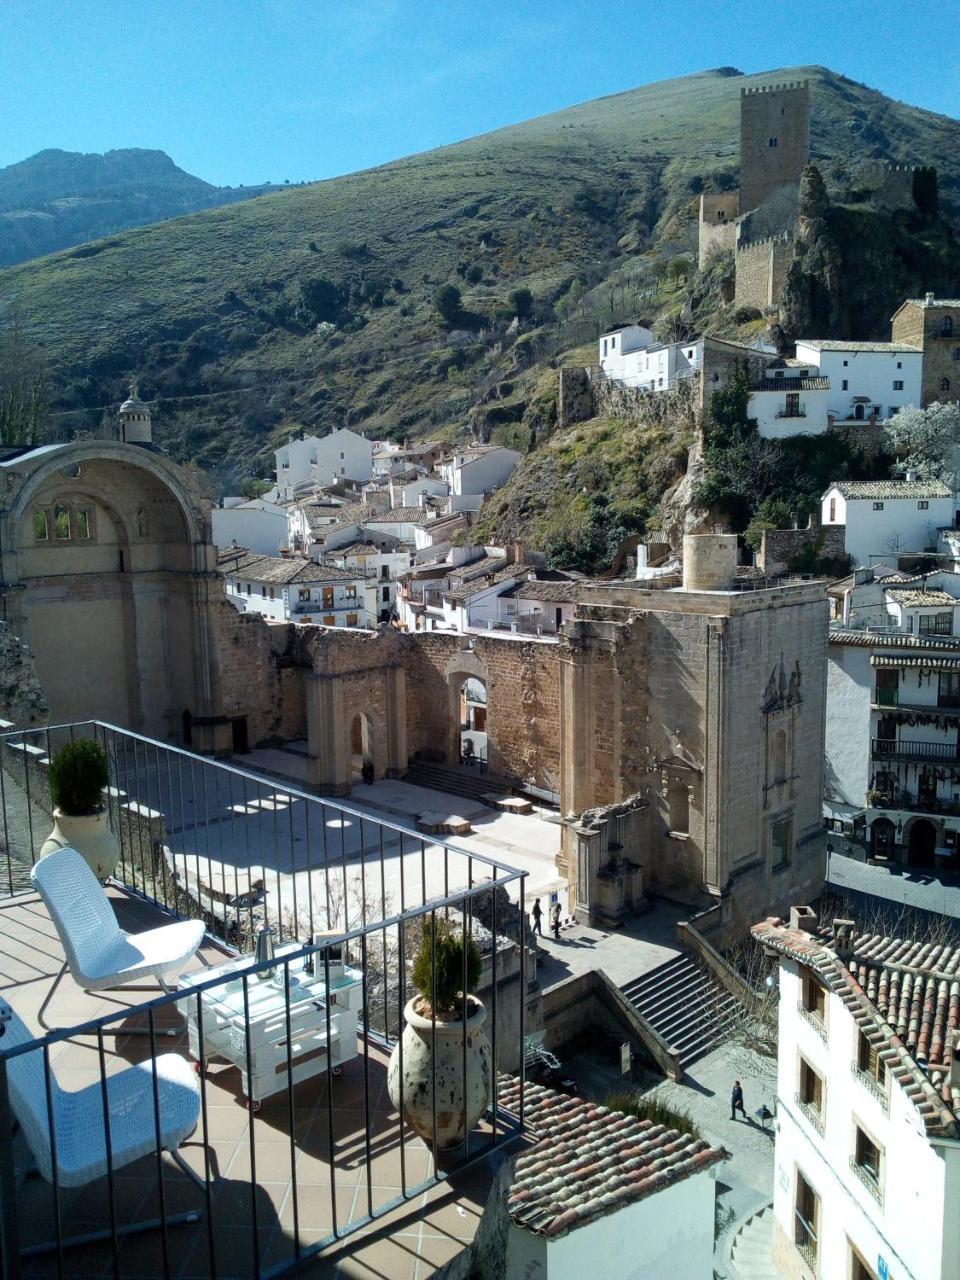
(813, 1019)
(806, 1239)
(349, 899)
(867, 1177)
(793, 411)
(871, 1083)
(811, 1112)
(907, 749)
(887, 697)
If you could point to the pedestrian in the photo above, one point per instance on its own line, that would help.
(736, 1101)
(537, 914)
(555, 919)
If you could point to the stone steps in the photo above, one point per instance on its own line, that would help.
(686, 1006)
(472, 785)
(751, 1254)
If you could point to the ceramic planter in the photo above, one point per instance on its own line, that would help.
(90, 835)
(429, 1055)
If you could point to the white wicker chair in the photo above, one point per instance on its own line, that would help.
(78, 1153)
(99, 955)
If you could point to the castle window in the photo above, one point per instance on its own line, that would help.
(897, 385)
(41, 527)
(82, 523)
(944, 384)
(946, 327)
(61, 523)
(772, 142)
(142, 526)
(781, 842)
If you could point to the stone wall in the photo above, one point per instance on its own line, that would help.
(871, 439)
(778, 114)
(22, 699)
(779, 547)
(919, 326)
(678, 407)
(717, 225)
(575, 396)
(260, 676)
(761, 271)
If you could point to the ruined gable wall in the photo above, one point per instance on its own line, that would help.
(260, 675)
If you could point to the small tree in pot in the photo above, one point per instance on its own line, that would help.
(443, 1029)
(78, 776)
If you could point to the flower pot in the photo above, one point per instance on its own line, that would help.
(429, 1056)
(90, 835)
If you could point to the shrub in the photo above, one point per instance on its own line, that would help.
(78, 775)
(652, 1109)
(447, 301)
(443, 949)
(521, 302)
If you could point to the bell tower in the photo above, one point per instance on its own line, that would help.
(135, 424)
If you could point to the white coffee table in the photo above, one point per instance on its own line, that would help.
(253, 1033)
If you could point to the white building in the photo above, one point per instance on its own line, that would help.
(789, 398)
(321, 460)
(892, 763)
(867, 1155)
(294, 589)
(412, 492)
(618, 348)
(479, 469)
(884, 517)
(867, 379)
(601, 1193)
(258, 525)
(380, 569)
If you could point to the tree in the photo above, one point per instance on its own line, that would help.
(447, 300)
(521, 302)
(319, 299)
(23, 390)
(927, 441)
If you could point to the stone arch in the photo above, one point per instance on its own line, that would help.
(365, 739)
(464, 666)
(920, 837)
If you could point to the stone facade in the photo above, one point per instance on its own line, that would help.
(774, 139)
(780, 547)
(717, 227)
(891, 186)
(575, 397)
(762, 267)
(933, 324)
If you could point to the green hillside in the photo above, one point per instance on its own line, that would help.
(218, 312)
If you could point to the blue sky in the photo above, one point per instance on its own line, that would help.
(248, 91)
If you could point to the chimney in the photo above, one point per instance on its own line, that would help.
(910, 476)
(929, 299)
(844, 936)
(803, 919)
(955, 1063)
(519, 553)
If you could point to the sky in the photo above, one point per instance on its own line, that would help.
(251, 91)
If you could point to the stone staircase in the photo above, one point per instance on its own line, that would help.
(685, 1005)
(467, 782)
(751, 1253)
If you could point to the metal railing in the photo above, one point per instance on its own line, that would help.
(812, 1113)
(805, 1238)
(791, 411)
(912, 750)
(350, 899)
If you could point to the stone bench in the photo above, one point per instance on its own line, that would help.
(450, 824)
(510, 804)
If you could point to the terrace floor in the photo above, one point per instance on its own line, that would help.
(309, 1176)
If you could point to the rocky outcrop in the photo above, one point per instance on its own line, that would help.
(22, 699)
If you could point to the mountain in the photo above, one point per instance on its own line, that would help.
(57, 199)
(314, 306)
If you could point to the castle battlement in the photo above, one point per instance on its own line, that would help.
(785, 87)
(781, 238)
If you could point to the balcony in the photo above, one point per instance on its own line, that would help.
(303, 1170)
(793, 411)
(906, 749)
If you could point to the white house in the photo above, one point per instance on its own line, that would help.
(867, 1157)
(411, 492)
(789, 398)
(379, 568)
(618, 349)
(294, 589)
(258, 525)
(884, 517)
(479, 469)
(320, 460)
(892, 764)
(601, 1193)
(866, 379)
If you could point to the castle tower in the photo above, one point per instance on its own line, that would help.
(774, 139)
(135, 424)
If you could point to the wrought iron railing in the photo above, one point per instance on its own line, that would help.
(805, 1238)
(811, 1112)
(871, 1084)
(867, 1176)
(350, 898)
(815, 1021)
(913, 750)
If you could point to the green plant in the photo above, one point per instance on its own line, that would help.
(440, 964)
(448, 302)
(78, 775)
(652, 1109)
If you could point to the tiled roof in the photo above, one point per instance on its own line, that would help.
(283, 570)
(933, 302)
(457, 595)
(891, 489)
(912, 598)
(828, 344)
(929, 662)
(791, 384)
(905, 997)
(887, 640)
(553, 592)
(591, 1161)
(397, 515)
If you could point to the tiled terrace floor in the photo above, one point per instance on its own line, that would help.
(247, 1222)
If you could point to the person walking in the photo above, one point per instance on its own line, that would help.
(537, 914)
(736, 1101)
(555, 920)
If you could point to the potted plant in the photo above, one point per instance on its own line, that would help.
(443, 1029)
(78, 775)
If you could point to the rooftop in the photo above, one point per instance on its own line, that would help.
(865, 638)
(828, 344)
(919, 598)
(791, 384)
(931, 301)
(899, 992)
(591, 1161)
(398, 515)
(881, 489)
(283, 570)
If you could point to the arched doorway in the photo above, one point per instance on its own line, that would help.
(923, 841)
(361, 744)
(882, 839)
(472, 715)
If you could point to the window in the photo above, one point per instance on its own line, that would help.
(845, 363)
(329, 621)
(83, 523)
(604, 346)
(944, 384)
(870, 1066)
(810, 1095)
(773, 142)
(878, 506)
(956, 353)
(384, 573)
(778, 762)
(899, 364)
(946, 327)
(833, 510)
(248, 588)
(678, 801)
(328, 597)
(41, 527)
(273, 594)
(781, 842)
(814, 998)
(858, 1268)
(351, 619)
(922, 506)
(61, 523)
(845, 385)
(263, 590)
(341, 457)
(806, 1220)
(936, 624)
(303, 593)
(948, 692)
(866, 1160)
(386, 595)
(897, 384)
(350, 593)
(888, 687)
